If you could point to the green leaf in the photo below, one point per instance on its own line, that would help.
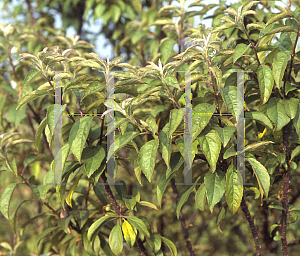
(260, 117)
(147, 157)
(163, 21)
(211, 145)
(266, 82)
(148, 204)
(234, 189)
(221, 216)
(183, 198)
(128, 232)
(290, 106)
(180, 144)
(295, 152)
(239, 51)
(296, 121)
(166, 49)
(176, 117)
(139, 224)
(215, 187)
(281, 29)
(161, 186)
(165, 144)
(202, 114)
(78, 135)
(170, 244)
(155, 242)
(229, 94)
(123, 140)
(71, 191)
(33, 95)
(30, 76)
(5, 199)
(276, 113)
(256, 145)
(38, 135)
(172, 81)
(262, 176)
(116, 240)
(279, 16)
(200, 197)
(279, 65)
(225, 133)
(92, 158)
(95, 227)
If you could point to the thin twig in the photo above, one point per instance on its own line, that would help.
(182, 220)
(253, 228)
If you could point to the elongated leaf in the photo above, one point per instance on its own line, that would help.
(116, 240)
(257, 145)
(147, 157)
(234, 189)
(239, 51)
(276, 113)
(281, 29)
(215, 187)
(225, 134)
(128, 232)
(200, 197)
(78, 135)
(148, 204)
(202, 114)
(165, 145)
(266, 82)
(295, 152)
(279, 65)
(296, 120)
(280, 16)
(291, 106)
(30, 76)
(38, 135)
(155, 242)
(92, 158)
(172, 81)
(5, 199)
(229, 94)
(166, 49)
(211, 145)
(170, 244)
(95, 227)
(176, 116)
(262, 176)
(184, 197)
(71, 191)
(138, 224)
(260, 117)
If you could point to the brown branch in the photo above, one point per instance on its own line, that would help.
(182, 220)
(253, 228)
(30, 12)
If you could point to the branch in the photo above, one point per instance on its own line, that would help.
(182, 220)
(30, 12)
(253, 228)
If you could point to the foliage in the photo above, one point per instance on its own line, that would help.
(147, 212)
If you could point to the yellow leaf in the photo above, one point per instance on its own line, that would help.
(128, 233)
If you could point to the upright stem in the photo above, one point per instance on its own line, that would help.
(285, 193)
(182, 220)
(253, 228)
